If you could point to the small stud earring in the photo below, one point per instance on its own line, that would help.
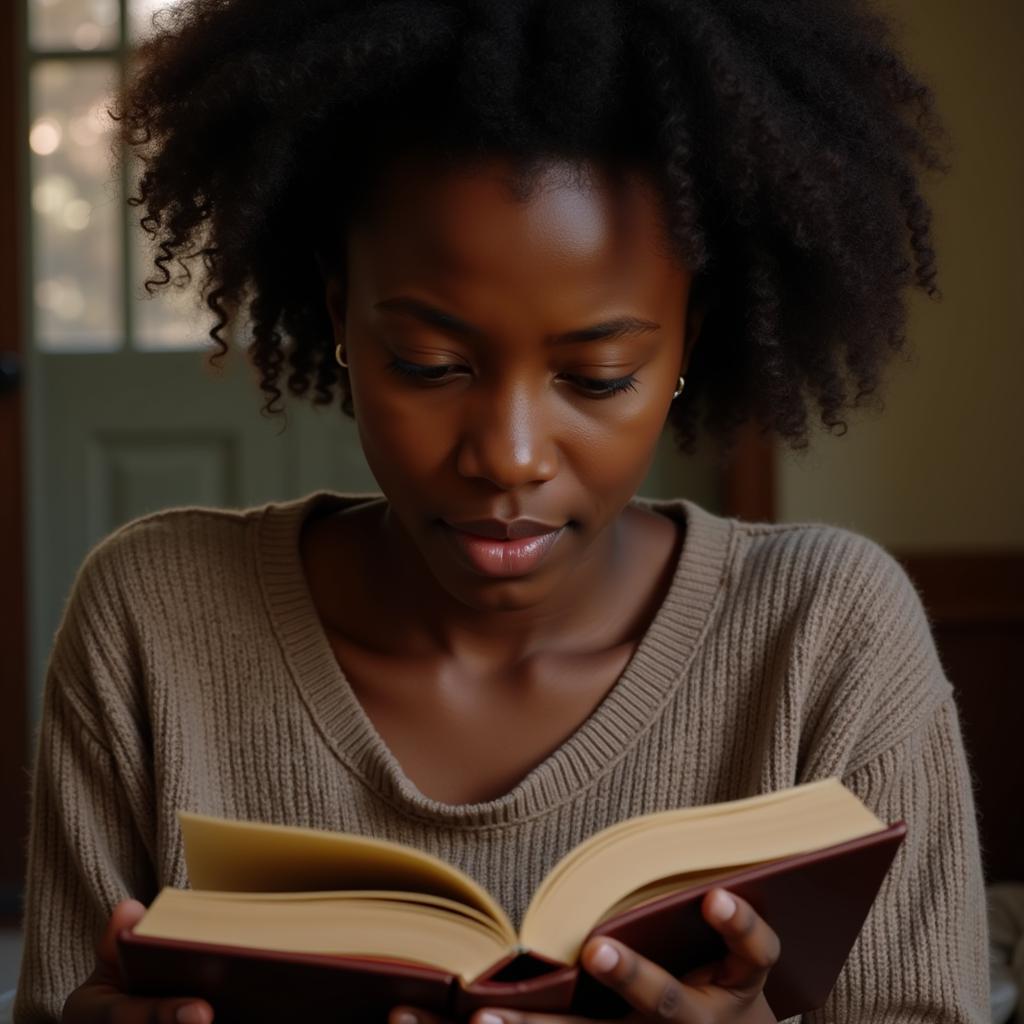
(339, 355)
(679, 390)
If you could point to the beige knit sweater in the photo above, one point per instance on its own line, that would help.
(191, 672)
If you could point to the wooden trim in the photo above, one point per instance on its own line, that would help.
(748, 478)
(13, 623)
(13, 620)
(963, 587)
(975, 602)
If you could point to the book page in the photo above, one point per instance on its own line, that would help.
(245, 856)
(667, 886)
(408, 927)
(619, 861)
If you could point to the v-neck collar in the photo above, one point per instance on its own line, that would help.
(654, 672)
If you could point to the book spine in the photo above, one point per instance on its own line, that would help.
(549, 992)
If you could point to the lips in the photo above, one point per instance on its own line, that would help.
(501, 529)
(503, 548)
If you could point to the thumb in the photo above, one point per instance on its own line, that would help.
(126, 914)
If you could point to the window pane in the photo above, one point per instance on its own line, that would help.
(140, 15)
(172, 318)
(72, 24)
(76, 211)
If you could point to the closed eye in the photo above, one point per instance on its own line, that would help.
(417, 372)
(593, 387)
(601, 387)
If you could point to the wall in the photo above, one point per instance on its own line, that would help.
(943, 466)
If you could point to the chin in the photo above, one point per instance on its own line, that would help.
(510, 594)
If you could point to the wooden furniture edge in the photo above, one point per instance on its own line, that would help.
(960, 587)
(748, 477)
(13, 620)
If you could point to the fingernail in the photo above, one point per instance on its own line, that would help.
(489, 1018)
(404, 1017)
(190, 1014)
(723, 906)
(605, 958)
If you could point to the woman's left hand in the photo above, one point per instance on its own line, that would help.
(727, 992)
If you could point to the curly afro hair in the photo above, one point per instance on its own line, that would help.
(787, 137)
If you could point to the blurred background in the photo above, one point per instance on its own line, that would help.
(108, 410)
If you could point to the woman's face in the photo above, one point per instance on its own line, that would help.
(511, 357)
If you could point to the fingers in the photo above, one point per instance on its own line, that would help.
(753, 947)
(704, 994)
(644, 985)
(102, 1004)
(125, 915)
(413, 1015)
(101, 1000)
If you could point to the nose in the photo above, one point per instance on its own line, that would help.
(507, 440)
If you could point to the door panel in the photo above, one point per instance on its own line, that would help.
(123, 434)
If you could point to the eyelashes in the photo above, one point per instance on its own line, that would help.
(601, 388)
(592, 386)
(433, 374)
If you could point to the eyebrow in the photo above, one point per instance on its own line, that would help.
(616, 327)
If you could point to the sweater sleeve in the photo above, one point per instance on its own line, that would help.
(86, 848)
(922, 954)
(894, 737)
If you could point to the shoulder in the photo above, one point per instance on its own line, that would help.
(868, 663)
(174, 543)
(852, 591)
(164, 557)
(155, 569)
(830, 577)
(838, 572)
(832, 573)
(831, 621)
(132, 584)
(180, 526)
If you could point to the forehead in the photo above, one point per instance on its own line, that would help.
(555, 222)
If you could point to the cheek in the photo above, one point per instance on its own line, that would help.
(403, 444)
(612, 454)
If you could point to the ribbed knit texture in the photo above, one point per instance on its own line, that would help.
(191, 671)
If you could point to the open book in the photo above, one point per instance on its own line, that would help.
(346, 920)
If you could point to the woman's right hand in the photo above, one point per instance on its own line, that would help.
(100, 1000)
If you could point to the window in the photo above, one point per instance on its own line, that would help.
(89, 256)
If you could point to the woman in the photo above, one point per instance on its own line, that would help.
(516, 238)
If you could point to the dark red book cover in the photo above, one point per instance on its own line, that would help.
(816, 902)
